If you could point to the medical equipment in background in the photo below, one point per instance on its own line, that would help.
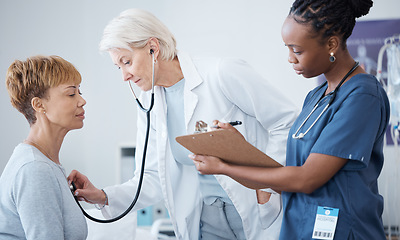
(146, 141)
(332, 97)
(392, 86)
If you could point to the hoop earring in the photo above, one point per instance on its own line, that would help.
(332, 58)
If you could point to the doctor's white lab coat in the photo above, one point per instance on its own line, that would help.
(223, 89)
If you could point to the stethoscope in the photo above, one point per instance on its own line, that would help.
(333, 93)
(147, 111)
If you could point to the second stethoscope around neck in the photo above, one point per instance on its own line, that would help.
(298, 135)
(140, 182)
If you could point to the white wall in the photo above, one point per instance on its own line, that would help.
(72, 29)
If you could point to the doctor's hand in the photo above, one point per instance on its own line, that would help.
(85, 190)
(208, 164)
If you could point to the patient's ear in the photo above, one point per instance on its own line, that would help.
(37, 105)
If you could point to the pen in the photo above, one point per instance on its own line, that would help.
(234, 123)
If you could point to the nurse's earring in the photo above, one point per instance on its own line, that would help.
(332, 58)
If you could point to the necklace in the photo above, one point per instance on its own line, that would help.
(40, 148)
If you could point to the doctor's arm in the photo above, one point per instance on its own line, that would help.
(86, 191)
(255, 96)
(259, 99)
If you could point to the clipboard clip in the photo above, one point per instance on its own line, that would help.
(202, 127)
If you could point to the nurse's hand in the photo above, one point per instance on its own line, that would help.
(227, 126)
(85, 190)
(208, 164)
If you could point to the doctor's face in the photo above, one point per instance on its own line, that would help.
(135, 64)
(307, 54)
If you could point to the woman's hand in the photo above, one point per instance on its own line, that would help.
(226, 126)
(208, 164)
(262, 197)
(86, 191)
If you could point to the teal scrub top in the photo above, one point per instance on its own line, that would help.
(353, 127)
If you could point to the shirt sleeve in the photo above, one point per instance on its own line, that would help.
(38, 200)
(352, 131)
(255, 96)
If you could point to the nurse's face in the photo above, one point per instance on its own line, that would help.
(307, 54)
(135, 64)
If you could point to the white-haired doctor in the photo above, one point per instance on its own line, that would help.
(186, 90)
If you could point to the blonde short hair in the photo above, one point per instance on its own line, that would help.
(33, 77)
(133, 28)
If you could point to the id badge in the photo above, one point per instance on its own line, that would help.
(325, 223)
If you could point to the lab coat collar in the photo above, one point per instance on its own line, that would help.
(192, 80)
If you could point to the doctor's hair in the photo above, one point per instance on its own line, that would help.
(330, 17)
(133, 28)
(33, 77)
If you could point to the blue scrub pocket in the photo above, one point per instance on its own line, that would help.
(343, 226)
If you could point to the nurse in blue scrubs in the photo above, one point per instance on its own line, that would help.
(335, 147)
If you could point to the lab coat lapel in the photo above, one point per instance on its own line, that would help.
(192, 80)
(160, 107)
(160, 118)
(169, 172)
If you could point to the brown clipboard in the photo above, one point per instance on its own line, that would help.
(227, 145)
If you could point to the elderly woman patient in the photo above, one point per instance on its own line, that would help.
(35, 200)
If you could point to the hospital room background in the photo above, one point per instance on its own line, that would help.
(231, 28)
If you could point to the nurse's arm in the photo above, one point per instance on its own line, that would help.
(316, 171)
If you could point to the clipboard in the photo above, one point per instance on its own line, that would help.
(227, 145)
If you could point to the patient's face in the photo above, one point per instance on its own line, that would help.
(64, 107)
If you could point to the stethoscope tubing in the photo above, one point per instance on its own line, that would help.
(147, 111)
(298, 135)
